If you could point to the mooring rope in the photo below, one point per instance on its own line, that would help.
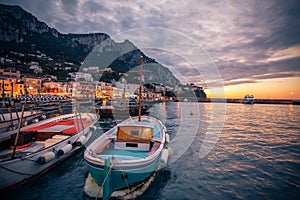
(110, 168)
(125, 180)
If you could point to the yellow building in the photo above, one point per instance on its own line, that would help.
(104, 91)
(56, 88)
(19, 89)
(32, 85)
(11, 87)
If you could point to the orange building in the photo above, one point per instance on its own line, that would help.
(104, 90)
(11, 87)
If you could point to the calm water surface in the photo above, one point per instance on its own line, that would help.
(257, 156)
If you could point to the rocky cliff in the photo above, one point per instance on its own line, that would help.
(22, 32)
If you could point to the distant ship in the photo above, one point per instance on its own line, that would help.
(248, 99)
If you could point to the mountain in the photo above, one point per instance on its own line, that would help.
(22, 32)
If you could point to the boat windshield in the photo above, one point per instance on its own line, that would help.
(134, 132)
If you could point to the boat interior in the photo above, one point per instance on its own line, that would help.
(42, 136)
(130, 143)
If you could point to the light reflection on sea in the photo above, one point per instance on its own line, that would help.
(257, 156)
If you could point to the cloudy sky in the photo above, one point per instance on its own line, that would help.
(255, 45)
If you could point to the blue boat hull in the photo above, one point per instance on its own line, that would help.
(122, 177)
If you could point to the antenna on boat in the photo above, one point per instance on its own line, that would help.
(18, 133)
(140, 90)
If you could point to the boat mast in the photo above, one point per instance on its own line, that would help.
(18, 133)
(140, 90)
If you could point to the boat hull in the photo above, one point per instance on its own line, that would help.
(20, 170)
(116, 162)
(123, 176)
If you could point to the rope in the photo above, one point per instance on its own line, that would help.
(110, 168)
(125, 180)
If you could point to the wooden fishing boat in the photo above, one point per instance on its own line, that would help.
(127, 154)
(37, 147)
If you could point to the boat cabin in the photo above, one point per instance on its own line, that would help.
(134, 137)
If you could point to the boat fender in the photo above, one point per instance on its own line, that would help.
(46, 157)
(81, 140)
(93, 128)
(164, 157)
(167, 138)
(65, 149)
(44, 116)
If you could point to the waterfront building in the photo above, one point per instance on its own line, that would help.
(55, 88)
(7, 87)
(80, 76)
(104, 90)
(82, 89)
(33, 85)
(10, 73)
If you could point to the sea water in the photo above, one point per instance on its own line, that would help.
(246, 152)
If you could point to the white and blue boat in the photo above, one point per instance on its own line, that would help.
(127, 154)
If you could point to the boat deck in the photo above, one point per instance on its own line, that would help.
(128, 147)
(67, 127)
(123, 154)
(32, 148)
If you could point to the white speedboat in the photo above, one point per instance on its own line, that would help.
(248, 99)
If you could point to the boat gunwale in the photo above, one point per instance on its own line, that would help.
(107, 137)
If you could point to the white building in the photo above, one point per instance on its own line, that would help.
(80, 76)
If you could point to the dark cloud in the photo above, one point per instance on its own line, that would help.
(278, 69)
(70, 7)
(94, 7)
(238, 82)
(276, 75)
(280, 22)
(288, 65)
